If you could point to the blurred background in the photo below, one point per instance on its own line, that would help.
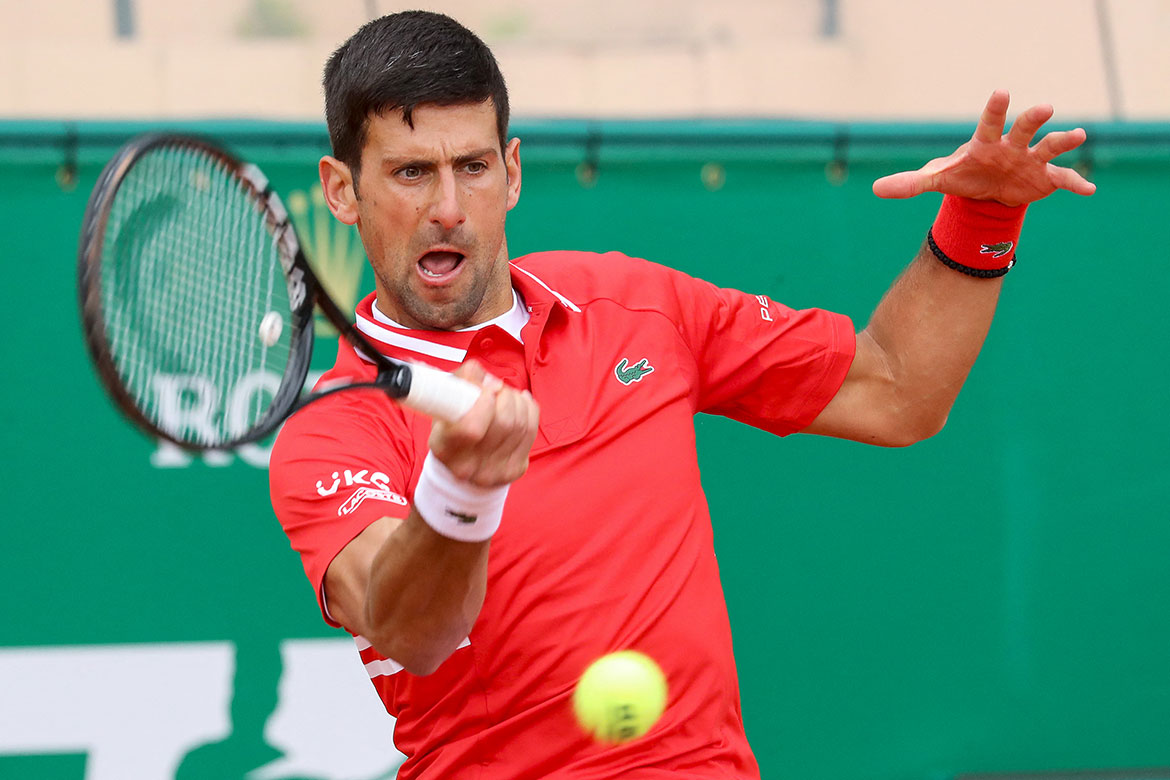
(847, 59)
(993, 602)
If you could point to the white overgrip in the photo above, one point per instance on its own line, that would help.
(439, 394)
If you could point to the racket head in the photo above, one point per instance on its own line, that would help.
(184, 252)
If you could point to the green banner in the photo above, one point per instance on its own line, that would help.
(993, 599)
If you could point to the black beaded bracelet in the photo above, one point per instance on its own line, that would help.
(981, 273)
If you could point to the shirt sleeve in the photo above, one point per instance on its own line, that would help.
(759, 361)
(336, 467)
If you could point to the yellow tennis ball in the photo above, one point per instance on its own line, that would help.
(620, 696)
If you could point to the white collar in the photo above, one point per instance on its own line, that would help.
(512, 321)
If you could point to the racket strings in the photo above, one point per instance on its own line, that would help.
(189, 270)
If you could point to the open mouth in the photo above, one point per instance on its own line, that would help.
(439, 265)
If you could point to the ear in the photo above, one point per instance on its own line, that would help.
(337, 186)
(512, 167)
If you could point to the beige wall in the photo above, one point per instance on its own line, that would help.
(898, 59)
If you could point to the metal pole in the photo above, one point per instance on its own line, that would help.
(124, 18)
(830, 26)
(1109, 60)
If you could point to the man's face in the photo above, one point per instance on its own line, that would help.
(431, 205)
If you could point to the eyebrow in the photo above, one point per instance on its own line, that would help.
(405, 162)
(487, 151)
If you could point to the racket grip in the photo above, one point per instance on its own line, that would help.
(439, 394)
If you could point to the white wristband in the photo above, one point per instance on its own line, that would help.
(454, 508)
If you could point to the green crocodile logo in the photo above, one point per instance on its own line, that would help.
(996, 250)
(627, 374)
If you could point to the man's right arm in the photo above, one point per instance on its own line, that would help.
(411, 591)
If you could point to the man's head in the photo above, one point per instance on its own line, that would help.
(399, 62)
(417, 108)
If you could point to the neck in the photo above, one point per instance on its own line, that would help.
(412, 312)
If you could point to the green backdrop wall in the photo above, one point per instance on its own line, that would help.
(993, 599)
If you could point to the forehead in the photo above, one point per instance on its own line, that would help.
(436, 130)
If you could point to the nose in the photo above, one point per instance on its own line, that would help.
(447, 210)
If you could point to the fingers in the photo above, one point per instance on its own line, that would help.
(471, 370)
(453, 442)
(994, 166)
(1056, 144)
(1068, 179)
(1059, 142)
(489, 445)
(908, 184)
(505, 445)
(994, 116)
(901, 185)
(1026, 124)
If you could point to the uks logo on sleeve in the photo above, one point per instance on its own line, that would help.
(367, 486)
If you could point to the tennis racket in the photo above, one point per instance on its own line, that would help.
(197, 301)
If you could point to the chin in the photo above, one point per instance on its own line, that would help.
(450, 317)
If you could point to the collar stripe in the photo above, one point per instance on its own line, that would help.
(560, 297)
(402, 341)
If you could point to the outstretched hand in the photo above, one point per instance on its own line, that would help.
(995, 166)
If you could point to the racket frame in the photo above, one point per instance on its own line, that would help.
(393, 378)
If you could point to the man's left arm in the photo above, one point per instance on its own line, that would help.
(915, 353)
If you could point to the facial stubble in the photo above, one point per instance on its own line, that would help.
(456, 306)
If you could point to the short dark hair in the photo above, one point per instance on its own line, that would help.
(399, 62)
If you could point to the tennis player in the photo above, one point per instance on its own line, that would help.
(481, 565)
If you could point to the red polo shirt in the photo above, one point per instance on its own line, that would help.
(606, 542)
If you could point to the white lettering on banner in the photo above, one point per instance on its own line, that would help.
(177, 413)
(330, 722)
(238, 413)
(104, 700)
(765, 312)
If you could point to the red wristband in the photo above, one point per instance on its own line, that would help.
(977, 237)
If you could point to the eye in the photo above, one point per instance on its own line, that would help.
(476, 167)
(410, 173)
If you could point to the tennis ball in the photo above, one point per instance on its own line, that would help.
(620, 696)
